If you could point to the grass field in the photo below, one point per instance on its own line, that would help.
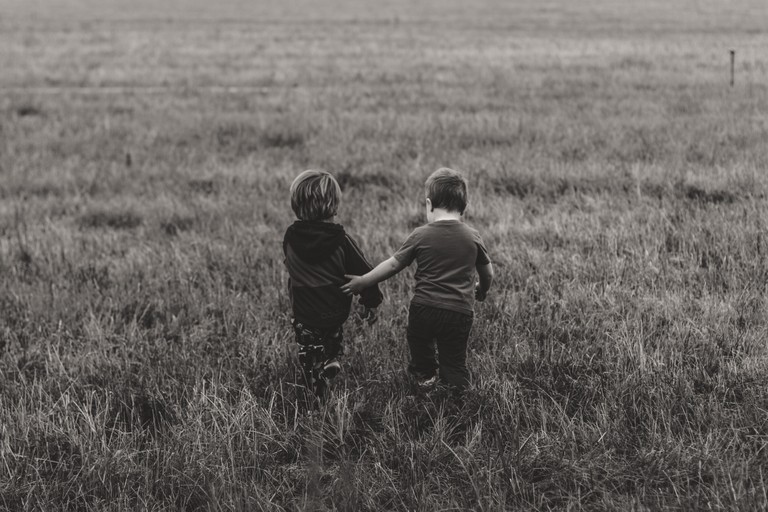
(619, 183)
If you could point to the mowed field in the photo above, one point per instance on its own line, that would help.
(618, 180)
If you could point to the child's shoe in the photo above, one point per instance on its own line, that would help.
(427, 383)
(331, 369)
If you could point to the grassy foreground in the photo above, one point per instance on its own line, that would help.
(620, 184)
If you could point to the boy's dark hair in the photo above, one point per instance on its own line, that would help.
(315, 195)
(447, 189)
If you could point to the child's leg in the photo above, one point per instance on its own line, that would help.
(311, 352)
(333, 349)
(452, 348)
(421, 334)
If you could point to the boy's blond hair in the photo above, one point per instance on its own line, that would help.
(315, 195)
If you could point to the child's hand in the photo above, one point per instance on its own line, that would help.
(370, 315)
(479, 294)
(354, 286)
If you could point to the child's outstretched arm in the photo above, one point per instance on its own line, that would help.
(383, 270)
(485, 273)
(356, 264)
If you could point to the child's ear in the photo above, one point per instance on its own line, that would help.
(429, 205)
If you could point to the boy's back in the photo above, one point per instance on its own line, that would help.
(446, 254)
(317, 255)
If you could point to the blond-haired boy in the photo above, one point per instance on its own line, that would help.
(318, 253)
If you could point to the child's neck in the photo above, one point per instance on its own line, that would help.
(438, 214)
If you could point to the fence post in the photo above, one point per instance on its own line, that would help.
(733, 60)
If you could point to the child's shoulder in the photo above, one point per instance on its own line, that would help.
(420, 232)
(461, 227)
(464, 234)
(469, 228)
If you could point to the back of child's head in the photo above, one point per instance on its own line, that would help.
(315, 195)
(447, 189)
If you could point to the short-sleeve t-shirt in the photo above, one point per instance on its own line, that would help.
(446, 254)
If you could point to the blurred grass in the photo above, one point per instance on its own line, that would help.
(145, 359)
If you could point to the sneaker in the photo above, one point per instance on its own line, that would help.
(428, 383)
(331, 369)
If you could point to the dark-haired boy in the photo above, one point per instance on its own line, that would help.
(318, 253)
(447, 254)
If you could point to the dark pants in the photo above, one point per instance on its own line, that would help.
(449, 331)
(316, 348)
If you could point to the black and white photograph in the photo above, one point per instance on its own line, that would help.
(361, 255)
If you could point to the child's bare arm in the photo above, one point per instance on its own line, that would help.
(356, 264)
(383, 270)
(485, 273)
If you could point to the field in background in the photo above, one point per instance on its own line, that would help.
(617, 179)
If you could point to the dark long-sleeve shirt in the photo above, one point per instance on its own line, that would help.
(317, 255)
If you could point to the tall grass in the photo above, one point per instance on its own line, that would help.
(145, 357)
